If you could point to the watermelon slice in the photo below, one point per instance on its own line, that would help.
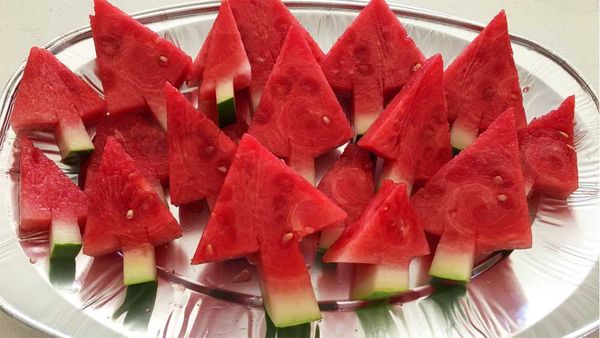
(387, 234)
(50, 200)
(124, 210)
(349, 184)
(479, 193)
(263, 25)
(266, 207)
(199, 152)
(226, 69)
(412, 132)
(51, 97)
(299, 117)
(373, 59)
(548, 154)
(134, 62)
(481, 83)
(143, 140)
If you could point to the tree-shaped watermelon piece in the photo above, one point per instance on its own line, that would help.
(134, 62)
(266, 207)
(48, 199)
(51, 97)
(349, 184)
(481, 83)
(383, 240)
(412, 132)
(548, 152)
(478, 198)
(199, 152)
(263, 25)
(299, 117)
(126, 214)
(372, 60)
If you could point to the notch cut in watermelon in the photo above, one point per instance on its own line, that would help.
(134, 62)
(124, 208)
(548, 152)
(372, 60)
(263, 25)
(199, 152)
(349, 184)
(412, 132)
(50, 200)
(266, 207)
(384, 240)
(51, 97)
(481, 83)
(299, 117)
(480, 192)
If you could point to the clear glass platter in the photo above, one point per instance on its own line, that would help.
(550, 290)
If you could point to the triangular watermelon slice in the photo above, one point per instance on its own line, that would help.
(124, 211)
(226, 69)
(266, 207)
(387, 234)
(481, 83)
(199, 152)
(48, 199)
(412, 132)
(263, 25)
(372, 59)
(299, 117)
(349, 184)
(479, 193)
(548, 154)
(51, 97)
(134, 62)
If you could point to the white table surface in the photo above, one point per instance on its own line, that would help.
(568, 27)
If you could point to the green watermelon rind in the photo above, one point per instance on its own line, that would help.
(373, 282)
(452, 265)
(461, 136)
(139, 265)
(292, 307)
(226, 103)
(73, 142)
(65, 238)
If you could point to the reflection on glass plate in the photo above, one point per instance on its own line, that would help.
(549, 290)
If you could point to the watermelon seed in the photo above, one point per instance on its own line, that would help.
(565, 135)
(286, 237)
(571, 147)
(222, 169)
(243, 276)
(513, 96)
(386, 208)
(163, 59)
(502, 197)
(209, 150)
(32, 260)
(326, 119)
(498, 179)
(335, 71)
(309, 230)
(526, 89)
(416, 66)
(129, 214)
(209, 250)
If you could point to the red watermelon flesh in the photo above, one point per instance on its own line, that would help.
(141, 138)
(299, 117)
(548, 154)
(199, 152)
(261, 191)
(349, 184)
(45, 191)
(124, 208)
(412, 132)
(134, 62)
(482, 82)
(263, 25)
(373, 59)
(481, 190)
(47, 90)
(388, 232)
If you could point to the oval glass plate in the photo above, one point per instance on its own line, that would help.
(548, 290)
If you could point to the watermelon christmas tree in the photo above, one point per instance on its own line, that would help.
(50, 200)
(199, 152)
(372, 60)
(225, 69)
(349, 184)
(51, 97)
(548, 154)
(411, 134)
(481, 83)
(383, 241)
(299, 117)
(476, 202)
(266, 207)
(263, 25)
(134, 62)
(126, 214)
